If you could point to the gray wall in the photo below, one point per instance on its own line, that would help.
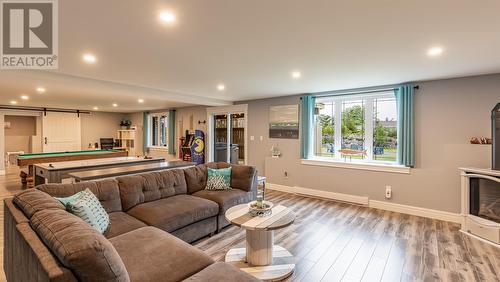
(186, 119)
(447, 114)
(99, 125)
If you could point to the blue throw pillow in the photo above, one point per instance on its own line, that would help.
(86, 206)
(219, 179)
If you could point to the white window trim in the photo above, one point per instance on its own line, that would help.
(369, 166)
(368, 163)
(150, 123)
(158, 148)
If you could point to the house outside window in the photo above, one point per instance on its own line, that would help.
(158, 130)
(356, 128)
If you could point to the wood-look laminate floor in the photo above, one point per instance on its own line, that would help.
(334, 241)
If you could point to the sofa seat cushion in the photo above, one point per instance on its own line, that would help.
(150, 254)
(170, 214)
(225, 198)
(120, 223)
(220, 272)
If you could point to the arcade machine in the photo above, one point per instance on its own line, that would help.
(193, 147)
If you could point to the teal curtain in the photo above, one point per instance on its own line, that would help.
(171, 132)
(307, 105)
(145, 133)
(406, 125)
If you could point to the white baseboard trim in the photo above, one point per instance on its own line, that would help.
(363, 200)
(2, 171)
(418, 211)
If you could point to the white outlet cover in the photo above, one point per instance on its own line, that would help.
(252, 138)
(261, 138)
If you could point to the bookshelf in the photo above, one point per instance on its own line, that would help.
(127, 139)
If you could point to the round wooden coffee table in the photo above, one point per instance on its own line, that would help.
(261, 258)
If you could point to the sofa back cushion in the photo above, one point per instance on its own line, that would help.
(151, 186)
(31, 201)
(243, 177)
(105, 190)
(78, 246)
(196, 178)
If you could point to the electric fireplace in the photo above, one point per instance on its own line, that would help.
(484, 198)
(481, 203)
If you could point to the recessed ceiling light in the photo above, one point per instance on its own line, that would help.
(89, 58)
(95, 108)
(24, 97)
(13, 102)
(296, 74)
(221, 87)
(435, 51)
(115, 105)
(167, 17)
(140, 100)
(40, 90)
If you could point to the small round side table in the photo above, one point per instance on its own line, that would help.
(261, 258)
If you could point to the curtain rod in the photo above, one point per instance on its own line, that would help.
(44, 110)
(355, 92)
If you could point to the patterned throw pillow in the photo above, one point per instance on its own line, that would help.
(219, 179)
(86, 206)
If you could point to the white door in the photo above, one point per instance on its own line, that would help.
(61, 132)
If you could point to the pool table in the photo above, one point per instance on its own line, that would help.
(28, 160)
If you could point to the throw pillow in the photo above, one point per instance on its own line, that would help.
(86, 206)
(67, 200)
(218, 179)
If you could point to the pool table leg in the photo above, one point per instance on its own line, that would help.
(31, 174)
(27, 176)
(23, 176)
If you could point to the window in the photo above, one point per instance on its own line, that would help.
(356, 128)
(158, 130)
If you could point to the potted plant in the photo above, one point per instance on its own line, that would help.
(125, 124)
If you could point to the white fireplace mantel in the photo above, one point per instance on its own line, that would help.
(484, 229)
(485, 171)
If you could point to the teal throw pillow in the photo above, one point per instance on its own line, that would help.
(219, 179)
(67, 200)
(86, 206)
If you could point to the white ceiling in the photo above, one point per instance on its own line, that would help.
(252, 47)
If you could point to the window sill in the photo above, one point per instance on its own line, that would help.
(157, 148)
(357, 165)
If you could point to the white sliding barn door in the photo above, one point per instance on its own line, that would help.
(61, 132)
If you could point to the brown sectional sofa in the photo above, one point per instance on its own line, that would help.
(153, 218)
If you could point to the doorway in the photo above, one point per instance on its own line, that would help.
(227, 134)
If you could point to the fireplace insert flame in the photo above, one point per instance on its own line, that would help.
(485, 198)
